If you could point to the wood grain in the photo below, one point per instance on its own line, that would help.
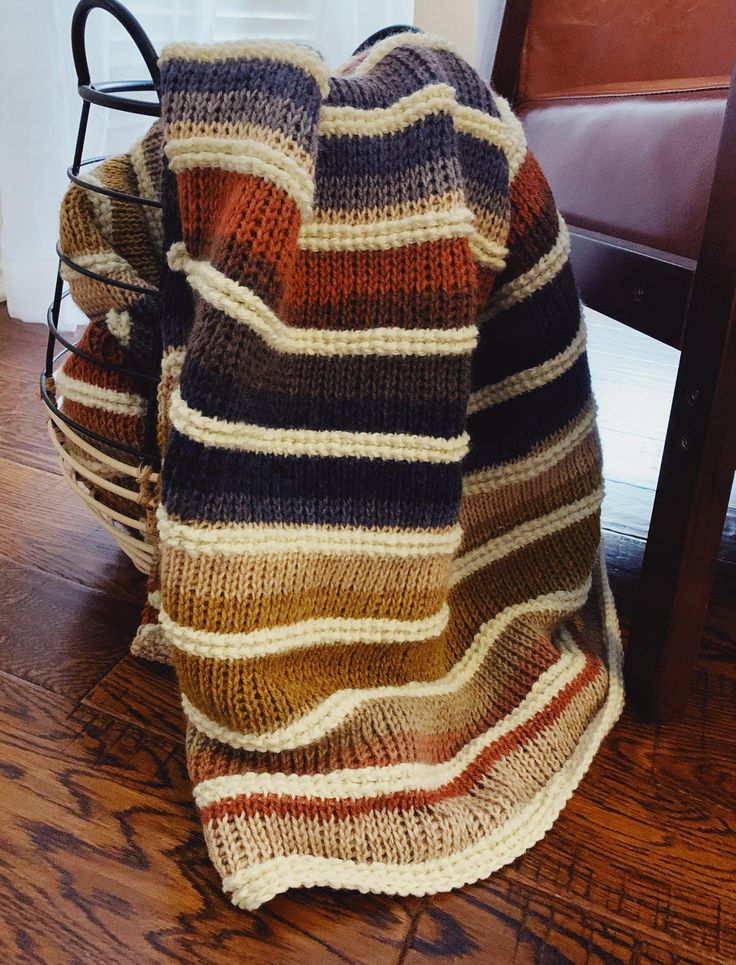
(101, 839)
(58, 634)
(143, 693)
(46, 527)
(101, 856)
(501, 921)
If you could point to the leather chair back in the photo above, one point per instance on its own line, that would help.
(623, 103)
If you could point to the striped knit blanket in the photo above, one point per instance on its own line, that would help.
(380, 575)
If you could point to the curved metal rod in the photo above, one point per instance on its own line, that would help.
(397, 28)
(113, 282)
(108, 192)
(152, 459)
(80, 353)
(102, 94)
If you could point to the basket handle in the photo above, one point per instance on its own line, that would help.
(99, 95)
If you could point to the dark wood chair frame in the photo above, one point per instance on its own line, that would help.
(691, 306)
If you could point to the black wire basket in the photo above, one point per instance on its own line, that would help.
(117, 482)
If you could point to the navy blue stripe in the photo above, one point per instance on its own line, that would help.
(511, 429)
(432, 137)
(346, 190)
(218, 484)
(220, 395)
(271, 78)
(528, 333)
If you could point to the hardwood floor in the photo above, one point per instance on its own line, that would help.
(101, 856)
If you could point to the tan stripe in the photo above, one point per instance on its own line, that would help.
(307, 633)
(358, 216)
(384, 47)
(391, 233)
(526, 533)
(488, 513)
(241, 131)
(221, 594)
(518, 149)
(119, 325)
(122, 403)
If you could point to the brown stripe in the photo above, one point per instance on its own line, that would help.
(247, 592)
(486, 515)
(250, 806)
(222, 345)
(381, 734)
(266, 693)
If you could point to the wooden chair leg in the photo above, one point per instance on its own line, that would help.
(685, 532)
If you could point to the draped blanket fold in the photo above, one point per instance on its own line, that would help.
(380, 579)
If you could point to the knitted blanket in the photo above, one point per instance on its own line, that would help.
(380, 578)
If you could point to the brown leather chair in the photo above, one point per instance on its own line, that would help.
(628, 106)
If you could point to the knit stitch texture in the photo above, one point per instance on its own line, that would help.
(381, 579)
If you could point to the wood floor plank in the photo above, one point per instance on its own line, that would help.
(627, 509)
(143, 693)
(507, 922)
(101, 855)
(23, 435)
(49, 529)
(103, 859)
(58, 634)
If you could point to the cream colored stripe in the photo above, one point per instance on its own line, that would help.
(488, 252)
(327, 443)
(172, 361)
(102, 206)
(524, 534)
(535, 464)
(244, 157)
(342, 121)
(392, 233)
(433, 203)
(384, 47)
(484, 127)
(518, 149)
(243, 305)
(546, 269)
(529, 379)
(118, 324)
(252, 885)
(148, 190)
(224, 132)
(123, 403)
(282, 51)
(233, 539)
(103, 263)
(306, 633)
(363, 782)
(336, 708)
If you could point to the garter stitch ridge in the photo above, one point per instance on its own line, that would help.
(381, 580)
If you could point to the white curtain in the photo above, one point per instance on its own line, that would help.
(39, 106)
